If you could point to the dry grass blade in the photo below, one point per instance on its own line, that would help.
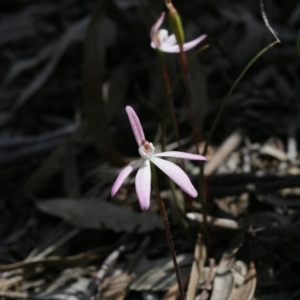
(115, 287)
(14, 295)
(197, 268)
(94, 106)
(56, 261)
(69, 284)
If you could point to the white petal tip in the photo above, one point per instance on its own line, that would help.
(192, 191)
(113, 192)
(128, 108)
(135, 125)
(144, 208)
(194, 194)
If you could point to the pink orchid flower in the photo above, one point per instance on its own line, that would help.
(160, 39)
(143, 177)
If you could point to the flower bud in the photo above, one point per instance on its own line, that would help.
(176, 24)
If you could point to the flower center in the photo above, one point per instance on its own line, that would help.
(146, 149)
(160, 36)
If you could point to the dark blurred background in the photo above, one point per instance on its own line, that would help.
(68, 68)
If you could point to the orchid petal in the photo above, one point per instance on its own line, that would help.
(135, 125)
(189, 45)
(186, 46)
(179, 154)
(152, 44)
(157, 24)
(123, 175)
(143, 184)
(170, 40)
(176, 174)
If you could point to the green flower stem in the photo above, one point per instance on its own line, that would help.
(168, 88)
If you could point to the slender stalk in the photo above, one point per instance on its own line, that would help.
(164, 217)
(168, 88)
(178, 31)
(184, 64)
(190, 60)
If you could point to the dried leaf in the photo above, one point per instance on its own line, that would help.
(224, 280)
(197, 268)
(223, 283)
(96, 214)
(116, 285)
(245, 290)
